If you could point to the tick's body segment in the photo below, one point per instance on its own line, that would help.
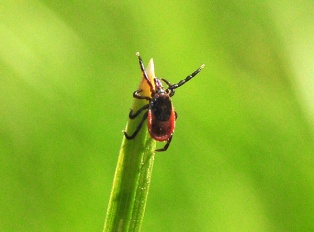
(160, 113)
(161, 117)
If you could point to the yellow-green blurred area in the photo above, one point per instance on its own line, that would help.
(241, 158)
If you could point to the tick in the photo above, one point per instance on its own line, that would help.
(159, 111)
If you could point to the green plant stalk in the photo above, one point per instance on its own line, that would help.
(132, 177)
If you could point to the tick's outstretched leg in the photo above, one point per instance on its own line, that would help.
(171, 87)
(166, 146)
(144, 72)
(136, 95)
(138, 127)
(169, 91)
(134, 115)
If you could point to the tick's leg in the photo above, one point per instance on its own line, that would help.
(169, 91)
(136, 95)
(167, 82)
(187, 78)
(176, 114)
(134, 115)
(166, 146)
(137, 129)
(144, 72)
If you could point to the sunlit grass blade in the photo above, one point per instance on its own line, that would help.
(133, 173)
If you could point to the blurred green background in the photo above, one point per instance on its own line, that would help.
(242, 154)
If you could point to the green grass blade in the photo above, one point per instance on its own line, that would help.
(132, 177)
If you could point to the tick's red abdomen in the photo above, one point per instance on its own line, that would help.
(161, 117)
